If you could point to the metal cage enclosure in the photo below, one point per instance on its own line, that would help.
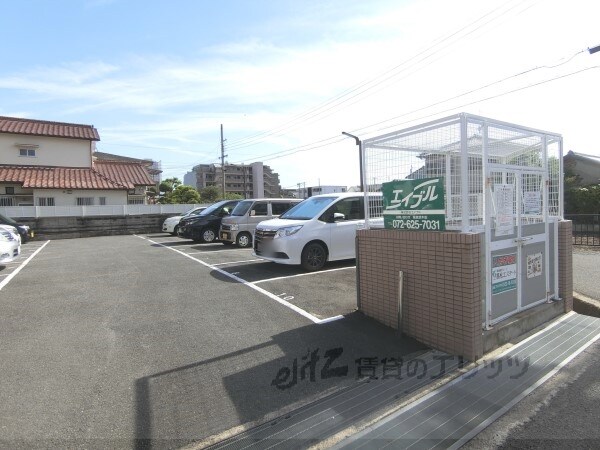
(465, 150)
(501, 180)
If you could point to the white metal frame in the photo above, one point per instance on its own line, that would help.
(447, 140)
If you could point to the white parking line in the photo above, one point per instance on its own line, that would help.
(303, 274)
(236, 262)
(18, 269)
(208, 252)
(250, 285)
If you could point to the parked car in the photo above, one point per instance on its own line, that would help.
(320, 229)
(24, 231)
(12, 230)
(238, 228)
(204, 227)
(171, 224)
(10, 244)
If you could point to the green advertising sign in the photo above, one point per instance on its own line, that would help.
(414, 204)
(504, 273)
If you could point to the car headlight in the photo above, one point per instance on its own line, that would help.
(6, 236)
(287, 231)
(234, 227)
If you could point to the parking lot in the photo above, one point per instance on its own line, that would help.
(155, 341)
(319, 296)
(28, 252)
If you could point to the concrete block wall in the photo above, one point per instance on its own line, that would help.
(442, 291)
(76, 227)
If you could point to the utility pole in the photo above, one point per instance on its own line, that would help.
(223, 155)
(244, 175)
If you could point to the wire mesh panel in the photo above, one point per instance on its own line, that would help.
(457, 149)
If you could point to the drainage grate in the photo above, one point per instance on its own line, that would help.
(453, 414)
(317, 421)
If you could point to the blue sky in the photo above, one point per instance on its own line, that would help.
(285, 78)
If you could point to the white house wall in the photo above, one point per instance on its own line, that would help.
(59, 152)
(69, 197)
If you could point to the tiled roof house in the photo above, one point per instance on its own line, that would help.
(52, 164)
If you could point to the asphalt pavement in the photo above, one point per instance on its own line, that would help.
(118, 342)
(586, 271)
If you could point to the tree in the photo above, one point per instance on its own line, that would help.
(210, 194)
(168, 184)
(151, 194)
(166, 187)
(184, 194)
(232, 196)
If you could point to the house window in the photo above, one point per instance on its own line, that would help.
(6, 201)
(46, 201)
(85, 201)
(135, 201)
(28, 152)
(10, 190)
(103, 201)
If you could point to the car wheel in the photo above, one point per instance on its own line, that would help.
(175, 230)
(313, 257)
(208, 235)
(244, 240)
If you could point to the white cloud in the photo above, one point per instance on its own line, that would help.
(260, 83)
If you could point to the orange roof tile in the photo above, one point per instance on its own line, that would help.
(118, 176)
(127, 173)
(17, 125)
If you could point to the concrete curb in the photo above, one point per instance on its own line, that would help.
(586, 305)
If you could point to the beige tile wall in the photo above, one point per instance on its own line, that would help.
(565, 263)
(442, 291)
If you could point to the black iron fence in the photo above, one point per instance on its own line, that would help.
(586, 228)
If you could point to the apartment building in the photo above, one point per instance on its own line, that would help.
(250, 181)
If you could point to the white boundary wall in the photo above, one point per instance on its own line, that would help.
(96, 210)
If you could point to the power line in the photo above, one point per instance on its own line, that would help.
(370, 84)
(289, 152)
(471, 91)
(512, 91)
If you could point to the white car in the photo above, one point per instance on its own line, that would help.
(320, 229)
(171, 224)
(10, 244)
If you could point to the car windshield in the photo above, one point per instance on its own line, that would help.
(242, 208)
(308, 209)
(193, 212)
(7, 220)
(211, 209)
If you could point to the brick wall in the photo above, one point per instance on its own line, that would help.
(565, 263)
(442, 291)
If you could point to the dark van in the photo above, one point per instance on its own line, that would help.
(204, 227)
